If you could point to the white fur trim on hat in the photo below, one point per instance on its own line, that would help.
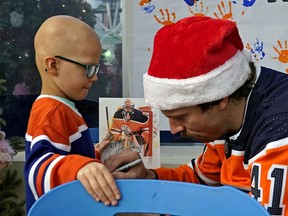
(168, 94)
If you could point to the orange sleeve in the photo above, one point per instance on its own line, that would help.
(68, 167)
(204, 170)
(208, 164)
(182, 173)
(97, 154)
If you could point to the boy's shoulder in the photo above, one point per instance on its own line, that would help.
(52, 105)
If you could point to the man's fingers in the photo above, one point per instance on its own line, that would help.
(116, 160)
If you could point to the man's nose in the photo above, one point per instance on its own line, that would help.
(175, 126)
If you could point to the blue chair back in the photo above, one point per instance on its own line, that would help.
(149, 196)
(94, 134)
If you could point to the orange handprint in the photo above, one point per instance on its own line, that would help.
(282, 53)
(168, 21)
(223, 13)
(199, 12)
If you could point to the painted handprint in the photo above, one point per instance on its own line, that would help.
(282, 53)
(247, 3)
(257, 50)
(143, 2)
(198, 11)
(167, 21)
(146, 6)
(224, 15)
(190, 2)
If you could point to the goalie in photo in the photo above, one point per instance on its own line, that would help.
(131, 126)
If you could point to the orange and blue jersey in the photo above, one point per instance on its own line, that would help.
(256, 158)
(139, 123)
(58, 144)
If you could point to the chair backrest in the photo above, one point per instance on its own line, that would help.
(94, 134)
(149, 196)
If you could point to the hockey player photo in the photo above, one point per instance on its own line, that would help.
(129, 126)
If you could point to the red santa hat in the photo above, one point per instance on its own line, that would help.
(195, 61)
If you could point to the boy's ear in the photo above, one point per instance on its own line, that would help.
(51, 66)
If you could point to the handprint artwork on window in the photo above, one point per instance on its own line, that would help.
(166, 20)
(198, 9)
(282, 52)
(257, 50)
(223, 11)
(147, 6)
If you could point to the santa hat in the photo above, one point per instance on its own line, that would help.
(195, 61)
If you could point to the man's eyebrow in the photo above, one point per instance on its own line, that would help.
(180, 115)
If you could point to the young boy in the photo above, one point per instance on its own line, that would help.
(58, 144)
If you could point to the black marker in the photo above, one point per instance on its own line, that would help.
(129, 165)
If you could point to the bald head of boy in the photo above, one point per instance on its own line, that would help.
(70, 38)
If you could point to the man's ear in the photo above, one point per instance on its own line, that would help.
(223, 103)
(51, 66)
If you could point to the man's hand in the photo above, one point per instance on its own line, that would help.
(99, 183)
(126, 156)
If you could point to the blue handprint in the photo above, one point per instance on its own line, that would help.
(248, 3)
(190, 2)
(148, 8)
(258, 49)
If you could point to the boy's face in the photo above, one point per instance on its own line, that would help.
(72, 79)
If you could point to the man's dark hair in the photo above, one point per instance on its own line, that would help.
(240, 93)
